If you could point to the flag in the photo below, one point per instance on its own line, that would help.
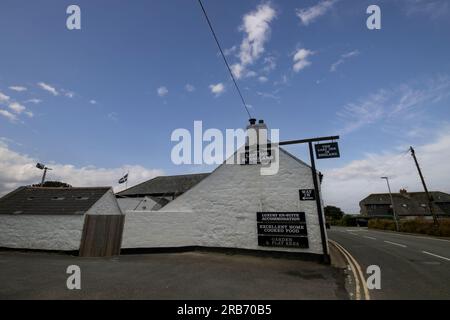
(123, 179)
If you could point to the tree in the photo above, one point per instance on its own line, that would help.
(333, 213)
(53, 184)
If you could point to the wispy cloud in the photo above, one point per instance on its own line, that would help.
(34, 100)
(343, 58)
(301, 59)
(430, 8)
(256, 26)
(93, 101)
(17, 169)
(217, 89)
(8, 115)
(189, 87)
(17, 107)
(162, 91)
(18, 88)
(309, 15)
(48, 88)
(389, 103)
(4, 98)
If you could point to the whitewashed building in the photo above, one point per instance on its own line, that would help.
(87, 220)
(221, 212)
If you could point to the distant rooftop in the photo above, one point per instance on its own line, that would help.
(164, 185)
(50, 201)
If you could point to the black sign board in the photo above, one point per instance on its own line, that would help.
(307, 194)
(284, 241)
(295, 229)
(282, 229)
(280, 217)
(327, 150)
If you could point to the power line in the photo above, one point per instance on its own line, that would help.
(224, 58)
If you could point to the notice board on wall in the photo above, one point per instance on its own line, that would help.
(282, 229)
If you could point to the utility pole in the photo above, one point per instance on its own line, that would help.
(429, 197)
(392, 204)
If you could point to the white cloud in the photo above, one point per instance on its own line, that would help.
(308, 15)
(432, 8)
(8, 115)
(217, 89)
(262, 79)
(342, 59)
(19, 169)
(69, 94)
(48, 88)
(162, 91)
(4, 98)
(256, 26)
(29, 114)
(34, 100)
(269, 64)
(229, 51)
(93, 101)
(390, 103)
(17, 107)
(347, 185)
(301, 59)
(189, 87)
(18, 88)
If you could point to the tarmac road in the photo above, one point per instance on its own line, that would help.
(412, 266)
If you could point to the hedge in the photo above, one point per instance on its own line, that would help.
(418, 225)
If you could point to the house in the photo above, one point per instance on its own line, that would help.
(226, 209)
(83, 220)
(406, 204)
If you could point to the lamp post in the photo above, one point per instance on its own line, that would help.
(392, 203)
(42, 167)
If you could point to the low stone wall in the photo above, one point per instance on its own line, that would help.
(162, 229)
(42, 232)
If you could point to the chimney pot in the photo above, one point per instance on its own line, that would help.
(261, 121)
(252, 121)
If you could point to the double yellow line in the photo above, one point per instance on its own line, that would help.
(362, 292)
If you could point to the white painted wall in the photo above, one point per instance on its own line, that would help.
(45, 232)
(220, 211)
(51, 232)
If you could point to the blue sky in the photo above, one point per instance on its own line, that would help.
(87, 100)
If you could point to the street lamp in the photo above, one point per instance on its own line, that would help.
(392, 203)
(42, 167)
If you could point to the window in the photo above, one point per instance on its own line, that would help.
(82, 198)
(58, 198)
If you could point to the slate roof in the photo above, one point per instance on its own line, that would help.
(164, 185)
(50, 201)
(383, 198)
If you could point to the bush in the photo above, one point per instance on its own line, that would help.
(418, 225)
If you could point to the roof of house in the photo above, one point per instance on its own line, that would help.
(384, 198)
(51, 201)
(164, 185)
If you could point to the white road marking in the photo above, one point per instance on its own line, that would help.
(372, 238)
(396, 244)
(435, 255)
(409, 235)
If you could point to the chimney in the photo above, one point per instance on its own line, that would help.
(261, 131)
(403, 191)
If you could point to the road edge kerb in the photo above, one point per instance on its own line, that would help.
(357, 272)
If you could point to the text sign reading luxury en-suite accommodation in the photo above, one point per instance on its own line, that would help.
(282, 229)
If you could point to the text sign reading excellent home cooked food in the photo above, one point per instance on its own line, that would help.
(282, 229)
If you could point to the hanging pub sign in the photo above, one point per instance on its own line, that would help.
(327, 150)
(307, 194)
(282, 229)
